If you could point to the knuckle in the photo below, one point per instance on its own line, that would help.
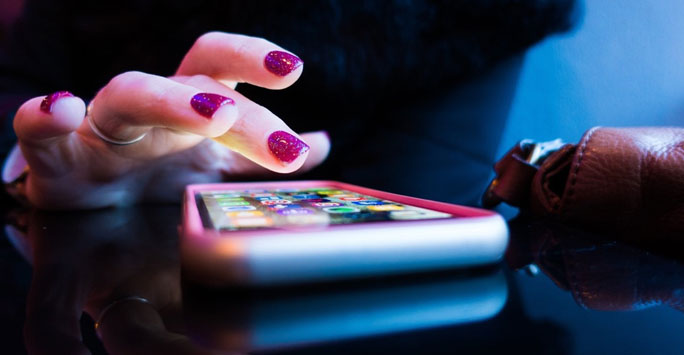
(242, 49)
(124, 81)
(246, 46)
(208, 39)
(255, 110)
(199, 80)
(129, 92)
(262, 42)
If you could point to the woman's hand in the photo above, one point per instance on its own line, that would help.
(72, 167)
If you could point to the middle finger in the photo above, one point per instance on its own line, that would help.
(257, 134)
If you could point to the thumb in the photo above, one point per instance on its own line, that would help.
(44, 123)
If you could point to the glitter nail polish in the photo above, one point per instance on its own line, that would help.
(286, 147)
(206, 104)
(46, 104)
(281, 63)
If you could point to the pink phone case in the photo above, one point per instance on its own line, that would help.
(275, 256)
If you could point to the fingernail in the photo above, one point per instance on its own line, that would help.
(281, 63)
(286, 147)
(206, 104)
(46, 104)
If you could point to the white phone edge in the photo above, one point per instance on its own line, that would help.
(342, 252)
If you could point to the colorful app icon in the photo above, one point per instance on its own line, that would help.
(369, 203)
(217, 196)
(268, 198)
(330, 192)
(229, 199)
(305, 197)
(386, 208)
(294, 211)
(327, 204)
(316, 189)
(342, 195)
(365, 216)
(256, 191)
(262, 194)
(345, 209)
(355, 198)
(238, 208)
(245, 214)
(233, 203)
(283, 206)
(276, 202)
(252, 222)
(312, 200)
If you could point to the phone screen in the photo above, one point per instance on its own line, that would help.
(229, 210)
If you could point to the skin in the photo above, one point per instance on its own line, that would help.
(73, 168)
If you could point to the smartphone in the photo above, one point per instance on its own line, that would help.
(279, 233)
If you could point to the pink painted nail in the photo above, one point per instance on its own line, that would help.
(286, 147)
(46, 104)
(206, 104)
(281, 63)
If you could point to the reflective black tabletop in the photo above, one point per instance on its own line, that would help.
(560, 290)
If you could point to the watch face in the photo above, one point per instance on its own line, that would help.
(229, 210)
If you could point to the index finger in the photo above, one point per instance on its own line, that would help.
(231, 58)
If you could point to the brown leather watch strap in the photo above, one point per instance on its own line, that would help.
(515, 172)
(620, 178)
(614, 179)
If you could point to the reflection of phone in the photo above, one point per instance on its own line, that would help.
(232, 321)
(268, 233)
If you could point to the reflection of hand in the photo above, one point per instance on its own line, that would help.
(72, 167)
(88, 260)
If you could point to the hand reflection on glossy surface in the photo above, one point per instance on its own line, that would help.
(87, 260)
(601, 271)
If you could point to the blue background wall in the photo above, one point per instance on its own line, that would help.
(622, 66)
